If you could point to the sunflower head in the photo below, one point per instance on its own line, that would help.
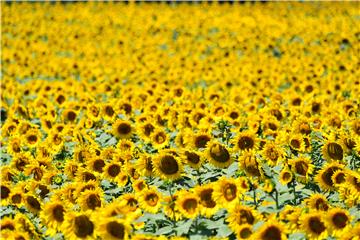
(324, 176)
(272, 231)
(188, 204)
(314, 225)
(246, 141)
(333, 151)
(122, 129)
(168, 166)
(219, 155)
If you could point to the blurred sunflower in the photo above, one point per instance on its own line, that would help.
(122, 129)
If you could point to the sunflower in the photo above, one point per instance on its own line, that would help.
(324, 176)
(90, 199)
(241, 215)
(296, 142)
(314, 226)
(94, 112)
(168, 166)
(333, 151)
(144, 165)
(32, 203)
(139, 185)
(7, 224)
(353, 182)
(273, 153)
(108, 112)
(244, 232)
(218, 155)
(198, 140)
(348, 142)
(246, 140)
(317, 202)
(53, 215)
(122, 129)
(96, 165)
(78, 225)
(113, 228)
(159, 139)
(272, 230)
(5, 192)
(130, 201)
(112, 171)
(339, 177)
(193, 158)
(69, 115)
(14, 146)
(150, 200)
(249, 162)
(206, 199)
(146, 129)
(32, 137)
(188, 204)
(125, 145)
(227, 192)
(286, 176)
(339, 220)
(17, 195)
(302, 168)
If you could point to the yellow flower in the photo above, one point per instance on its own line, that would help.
(122, 129)
(168, 166)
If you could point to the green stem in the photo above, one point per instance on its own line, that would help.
(294, 191)
(172, 205)
(254, 197)
(277, 199)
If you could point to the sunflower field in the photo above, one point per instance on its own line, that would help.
(180, 121)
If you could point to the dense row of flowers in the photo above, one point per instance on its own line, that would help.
(156, 121)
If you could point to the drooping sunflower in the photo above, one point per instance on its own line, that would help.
(53, 215)
(218, 155)
(122, 128)
(206, 199)
(113, 228)
(246, 140)
(333, 151)
(227, 192)
(324, 176)
(353, 182)
(150, 200)
(14, 146)
(188, 204)
(168, 166)
(241, 215)
(272, 230)
(78, 225)
(33, 204)
(302, 168)
(249, 162)
(339, 221)
(314, 226)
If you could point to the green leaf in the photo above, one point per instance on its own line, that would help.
(164, 230)
(184, 228)
(224, 231)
